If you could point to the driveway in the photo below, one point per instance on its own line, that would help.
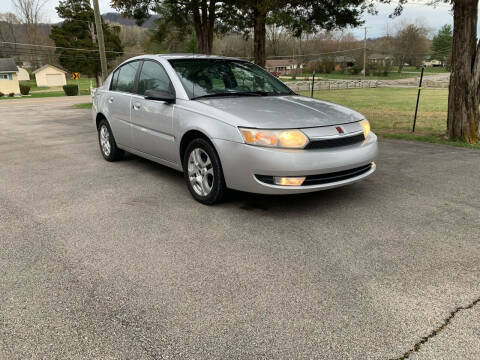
(116, 260)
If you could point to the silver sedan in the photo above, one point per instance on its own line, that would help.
(229, 124)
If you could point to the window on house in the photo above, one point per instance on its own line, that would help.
(6, 77)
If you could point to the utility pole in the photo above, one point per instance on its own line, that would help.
(364, 53)
(101, 41)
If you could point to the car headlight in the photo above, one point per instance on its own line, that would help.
(366, 127)
(291, 139)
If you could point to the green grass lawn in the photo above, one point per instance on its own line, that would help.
(44, 95)
(82, 106)
(391, 111)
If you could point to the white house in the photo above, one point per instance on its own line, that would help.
(49, 75)
(8, 77)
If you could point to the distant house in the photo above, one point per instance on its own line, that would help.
(282, 66)
(8, 77)
(380, 59)
(339, 62)
(433, 63)
(22, 74)
(49, 75)
(343, 61)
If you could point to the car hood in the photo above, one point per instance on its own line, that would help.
(281, 112)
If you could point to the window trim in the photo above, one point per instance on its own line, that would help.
(137, 77)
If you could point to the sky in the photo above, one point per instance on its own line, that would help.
(416, 10)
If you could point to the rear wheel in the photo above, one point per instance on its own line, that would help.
(203, 172)
(107, 143)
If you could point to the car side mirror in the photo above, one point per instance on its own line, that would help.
(160, 95)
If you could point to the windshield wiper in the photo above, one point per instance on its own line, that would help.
(233, 93)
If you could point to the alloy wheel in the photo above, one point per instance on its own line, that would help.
(200, 172)
(105, 140)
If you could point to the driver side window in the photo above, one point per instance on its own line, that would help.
(153, 77)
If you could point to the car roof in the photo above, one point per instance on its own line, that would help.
(195, 56)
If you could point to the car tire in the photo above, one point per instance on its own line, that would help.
(106, 140)
(203, 172)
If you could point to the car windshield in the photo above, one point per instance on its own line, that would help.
(222, 77)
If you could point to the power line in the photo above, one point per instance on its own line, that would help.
(324, 53)
(63, 48)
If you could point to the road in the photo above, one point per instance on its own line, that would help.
(106, 260)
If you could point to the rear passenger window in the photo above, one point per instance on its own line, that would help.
(124, 78)
(153, 77)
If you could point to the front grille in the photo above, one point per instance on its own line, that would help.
(335, 142)
(336, 176)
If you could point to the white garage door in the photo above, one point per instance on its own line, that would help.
(54, 79)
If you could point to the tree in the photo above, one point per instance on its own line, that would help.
(178, 13)
(298, 16)
(78, 31)
(8, 21)
(410, 45)
(29, 12)
(442, 43)
(463, 97)
(173, 33)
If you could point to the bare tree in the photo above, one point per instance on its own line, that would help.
(29, 13)
(8, 21)
(410, 45)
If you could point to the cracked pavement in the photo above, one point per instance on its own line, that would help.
(117, 261)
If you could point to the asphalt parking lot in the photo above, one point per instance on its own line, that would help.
(116, 260)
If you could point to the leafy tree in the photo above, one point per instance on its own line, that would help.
(180, 15)
(78, 31)
(172, 33)
(442, 43)
(298, 16)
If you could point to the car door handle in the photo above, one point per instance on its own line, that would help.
(110, 99)
(136, 106)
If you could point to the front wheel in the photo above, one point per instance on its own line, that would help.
(203, 172)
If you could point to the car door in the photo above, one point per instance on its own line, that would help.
(119, 102)
(152, 120)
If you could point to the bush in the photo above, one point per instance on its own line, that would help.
(70, 90)
(1, 94)
(321, 67)
(24, 89)
(355, 70)
(11, 95)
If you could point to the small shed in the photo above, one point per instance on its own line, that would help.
(22, 74)
(49, 75)
(8, 77)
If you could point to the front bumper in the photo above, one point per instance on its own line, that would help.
(241, 162)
